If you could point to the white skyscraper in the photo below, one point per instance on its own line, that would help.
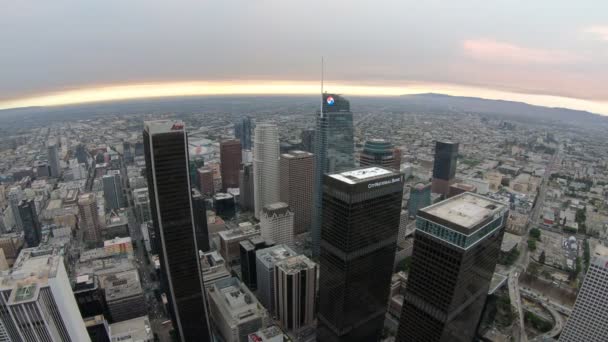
(265, 166)
(588, 321)
(277, 223)
(37, 302)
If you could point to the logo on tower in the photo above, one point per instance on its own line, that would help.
(330, 101)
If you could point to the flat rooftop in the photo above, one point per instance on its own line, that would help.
(361, 175)
(136, 329)
(466, 210)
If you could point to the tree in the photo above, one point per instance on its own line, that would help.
(531, 245)
(533, 269)
(542, 257)
(535, 233)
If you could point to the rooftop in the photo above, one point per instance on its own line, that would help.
(271, 255)
(295, 264)
(136, 329)
(296, 154)
(164, 126)
(361, 175)
(121, 285)
(466, 210)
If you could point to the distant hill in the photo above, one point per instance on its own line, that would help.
(436, 102)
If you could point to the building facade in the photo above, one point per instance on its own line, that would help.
(266, 259)
(444, 167)
(420, 197)
(590, 314)
(32, 231)
(379, 152)
(230, 160)
(297, 172)
(361, 212)
(89, 218)
(247, 250)
(53, 156)
(265, 166)
(112, 190)
(205, 178)
(456, 248)
(277, 223)
(246, 194)
(166, 153)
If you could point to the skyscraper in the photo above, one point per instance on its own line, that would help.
(205, 178)
(265, 166)
(15, 195)
(590, 314)
(378, 152)
(245, 133)
(444, 167)
(295, 282)
(199, 210)
(166, 153)
(37, 301)
(456, 247)
(112, 190)
(230, 163)
(277, 223)
(31, 227)
(420, 197)
(297, 170)
(265, 260)
(246, 180)
(53, 156)
(334, 152)
(360, 223)
(247, 249)
(89, 218)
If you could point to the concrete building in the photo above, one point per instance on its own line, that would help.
(53, 156)
(277, 223)
(136, 329)
(269, 334)
(141, 203)
(246, 187)
(361, 218)
(112, 190)
(214, 268)
(124, 295)
(265, 261)
(457, 243)
(234, 310)
(297, 172)
(459, 188)
(89, 218)
(265, 167)
(89, 296)
(231, 238)
(230, 161)
(590, 313)
(295, 284)
(37, 300)
(205, 178)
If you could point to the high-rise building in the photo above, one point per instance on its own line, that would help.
(456, 247)
(295, 281)
(246, 187)
(166, 153)
(420, 197)
(266, 259)
(230, 240)
(247, 250)
(308, 140)
(297, 170)
(42, 169)
(379, 152)
(277, 223)
(444, 167)
(112, 190)
(89, 296)
(334, 152)
(31, 227)
(235, 312)
(15, 195)
(37, 300)
(199, 209)
(126, 152)
(81, 154)
(265, 166)
(141, 202)
(590, 314)
(89, 218)
(53, 156)
(358, 241)
(205, 178)
(230, 163)
(242, 131)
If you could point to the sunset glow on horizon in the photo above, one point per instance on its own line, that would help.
(202, 88)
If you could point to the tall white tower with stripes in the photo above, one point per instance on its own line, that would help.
(265, 166)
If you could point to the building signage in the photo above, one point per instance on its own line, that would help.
(384, 182)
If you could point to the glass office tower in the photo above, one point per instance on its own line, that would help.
(361, 212)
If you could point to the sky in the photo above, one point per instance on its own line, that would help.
(552, 53)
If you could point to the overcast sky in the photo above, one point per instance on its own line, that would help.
(557, 49)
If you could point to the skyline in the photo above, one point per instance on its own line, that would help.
(69, 52)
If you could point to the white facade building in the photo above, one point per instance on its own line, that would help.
(277, 223)
(266, 159)
(590, 314)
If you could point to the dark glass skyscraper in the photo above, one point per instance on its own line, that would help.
(166, 153)
(242, 131)
(455, 251)
(199, 210)
(31, 227)
(444, 166)
(361, 211)
(334, 152)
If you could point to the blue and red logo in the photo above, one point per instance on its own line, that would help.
(330, 101)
